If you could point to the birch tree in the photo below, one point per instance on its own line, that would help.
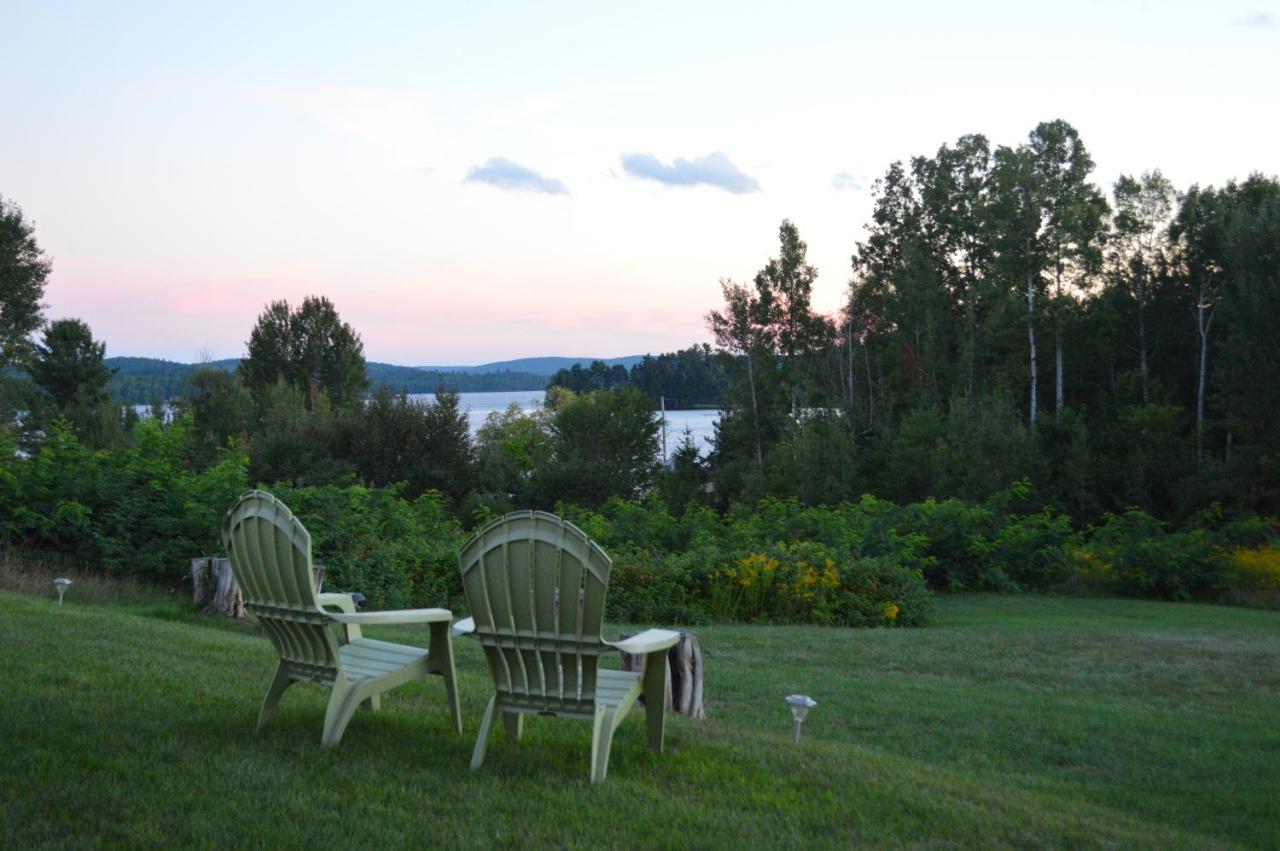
(1072, 213)
(1143, 206)
(1017, 217)
(1197, 233)
(737, 334)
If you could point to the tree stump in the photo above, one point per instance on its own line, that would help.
(215, 590)
(214, 587)
(684, 674)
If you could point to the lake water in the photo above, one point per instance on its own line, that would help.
(701, 423)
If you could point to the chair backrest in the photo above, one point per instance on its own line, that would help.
(535, 585)
(270, 553)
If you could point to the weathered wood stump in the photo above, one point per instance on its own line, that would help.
(214, 587)
(215, 590)
(684, 674)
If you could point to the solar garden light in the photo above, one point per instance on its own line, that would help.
(800, 706)
(62, 586)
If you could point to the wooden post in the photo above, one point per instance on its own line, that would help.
(684, 674)
(215, 590)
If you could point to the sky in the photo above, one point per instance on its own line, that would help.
(470, 182)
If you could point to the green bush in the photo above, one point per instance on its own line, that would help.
(147, 508)
(959, 539)
(1032, 551)
(883, 591)
(1146, 560)
(141, 510)
(397, 552)
(646, 587)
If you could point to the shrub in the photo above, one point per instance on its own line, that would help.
(397, 552)
(882, 591)
(803, 582)
(1032, 551)
(646, 587)
(959, 540)
(1251, 577)
(1149, 561)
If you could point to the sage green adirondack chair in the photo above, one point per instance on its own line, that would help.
(536, 587)
(271, 558)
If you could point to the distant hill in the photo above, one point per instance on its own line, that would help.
(153, 366)
(545, 367)
(139, 381)
(418, 380)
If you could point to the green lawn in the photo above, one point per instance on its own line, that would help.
(1011, 721)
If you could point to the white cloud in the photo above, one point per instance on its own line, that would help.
(1256, 19)
(715, 169)
(844, 181)
(505, 174)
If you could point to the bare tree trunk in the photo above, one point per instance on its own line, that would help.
(853, 419)
(1031, 335)
(1057, 343)
(1204, 320)
(971, 348)
(871, 389)
(755, 411)
(1142, 334)
(1057, 399)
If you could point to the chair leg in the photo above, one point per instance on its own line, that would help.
(601, 741)
(342, 705)
(374, 703)
(482, 740)
(440, 661)
(279, 683)
(513, 723)
(655, 697)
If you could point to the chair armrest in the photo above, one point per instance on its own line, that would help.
(466, 626)
(649, 641)
(394, 617)
(337, 600)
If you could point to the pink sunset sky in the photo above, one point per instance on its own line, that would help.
(506, 180)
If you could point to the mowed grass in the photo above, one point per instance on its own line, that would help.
(1011, 721)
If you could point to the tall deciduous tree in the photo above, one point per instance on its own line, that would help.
(1073, 214)
(1017, 214)
(605, 443)
(1249, 369)
(310, 349)
(1051, 223)
(736, 334)
(1198, 232)
(24, 268)
(1143, 206)
(774, 332)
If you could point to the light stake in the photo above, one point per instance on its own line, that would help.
(800, 706)
(62, 585)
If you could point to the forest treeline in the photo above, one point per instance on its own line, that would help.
(1007, 319)
(689, 378)
(1035, 382)
(146, 381)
